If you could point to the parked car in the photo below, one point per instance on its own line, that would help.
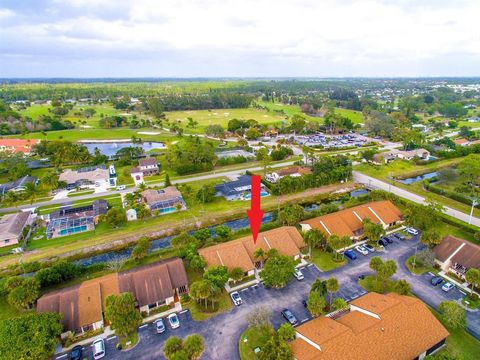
(369, 247)
(399, 236)
(350, 254)
(287, 314)
(304, 302)
(387, 239)
(160, 326)
(361, 249)
(121, 187)
(237, 300)
(412, 231)
(361, 277)
(447, 287)
(436, 280)
(98, 349)
(298, 275)
(76, 353)
(382, 242)
(173, 320)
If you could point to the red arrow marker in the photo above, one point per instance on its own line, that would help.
(255, 214)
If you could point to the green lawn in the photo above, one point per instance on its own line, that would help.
(355, 116)
(460, 343)
(251, 339)
(199, 312)
(418, 269)
(221, 117)
(80, 193)
(471, 303)
(324, 260)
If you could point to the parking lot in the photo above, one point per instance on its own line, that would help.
(222, 332)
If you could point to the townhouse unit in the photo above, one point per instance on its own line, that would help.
(457, 255)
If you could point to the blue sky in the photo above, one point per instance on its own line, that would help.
(248, 38)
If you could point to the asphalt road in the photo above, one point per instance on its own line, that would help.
(378, 184)
(222, 332)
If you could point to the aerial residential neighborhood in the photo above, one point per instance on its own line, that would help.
(256, 180)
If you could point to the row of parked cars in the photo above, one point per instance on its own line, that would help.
(446, 286)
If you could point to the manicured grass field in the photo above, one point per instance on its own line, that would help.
(418, 270)
(221, 117)
(199, 312)
(250, 340)
(324, 260)
(355, 116)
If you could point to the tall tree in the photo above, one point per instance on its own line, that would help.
(453, 314)
(473, 277)
(278, 270)
(332, 288)
(316, 304)
(276, 349)
(120, 311)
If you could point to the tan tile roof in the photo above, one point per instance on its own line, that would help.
(349, 221)
(239, 253)
(152, 196)
(405, 330)
(71, 176)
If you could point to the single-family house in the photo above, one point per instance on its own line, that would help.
(239, 189)
(349, 222)
(18, 185)
(23, 146)
(146, 167)
(457, 255)
(293, 171)
(394, 154)
(98, 176)
(71, 220)
(165, 200)
(83, 305)
(461, 142)
(240, 252)
(374, 327)
(11, 227)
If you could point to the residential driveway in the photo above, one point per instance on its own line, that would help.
(222, 332)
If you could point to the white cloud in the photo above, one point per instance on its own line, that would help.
(346, 33)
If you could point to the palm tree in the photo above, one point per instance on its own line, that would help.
(314, 238)
(259, 255)
(30, 191)
(332, 288)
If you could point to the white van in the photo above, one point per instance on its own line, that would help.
(98, 349)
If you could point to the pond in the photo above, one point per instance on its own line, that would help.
(418, 178)
(111, 148)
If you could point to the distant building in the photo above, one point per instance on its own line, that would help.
(83, 305)
(465, 142)
(391, 155)
(457, 255)
(349, 222)
(72, 220)
(95, 175)
(293, 171)
(165, 200)
(18, 185)
(239, 189)
(18, 145)
(240, 252)
(11, 227)
(146, 167)
(374, 326)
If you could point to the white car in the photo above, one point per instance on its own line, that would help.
(298, 275)
(121, 187)
(412, 231)
(237, 300)
(361, 250)
(98, 349)
(173, 321)
(447, 287)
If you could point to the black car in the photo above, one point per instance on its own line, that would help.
(399, 236)
(436, 280)
(76, 353)
(287, 314)
(382, 242)
(304, 302)
(387, 239)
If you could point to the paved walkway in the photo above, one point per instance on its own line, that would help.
(378, 184)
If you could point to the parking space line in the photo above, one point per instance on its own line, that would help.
(61, 356)
(244, 289)
(143, 326)
(309, 265)
(111, 338)
(302, 321)
(431, 273)
(183, 311)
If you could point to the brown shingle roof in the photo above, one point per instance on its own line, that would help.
(239, 253)
(147, 161)
(406, 329)
(468, 255)
(303, 170)
(152, 196)
(349, 221)
(83, 304)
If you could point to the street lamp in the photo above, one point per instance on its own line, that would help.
(474, 203)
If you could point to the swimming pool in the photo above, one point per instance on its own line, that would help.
(262, 194)
(73, 230)
(167, 210)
